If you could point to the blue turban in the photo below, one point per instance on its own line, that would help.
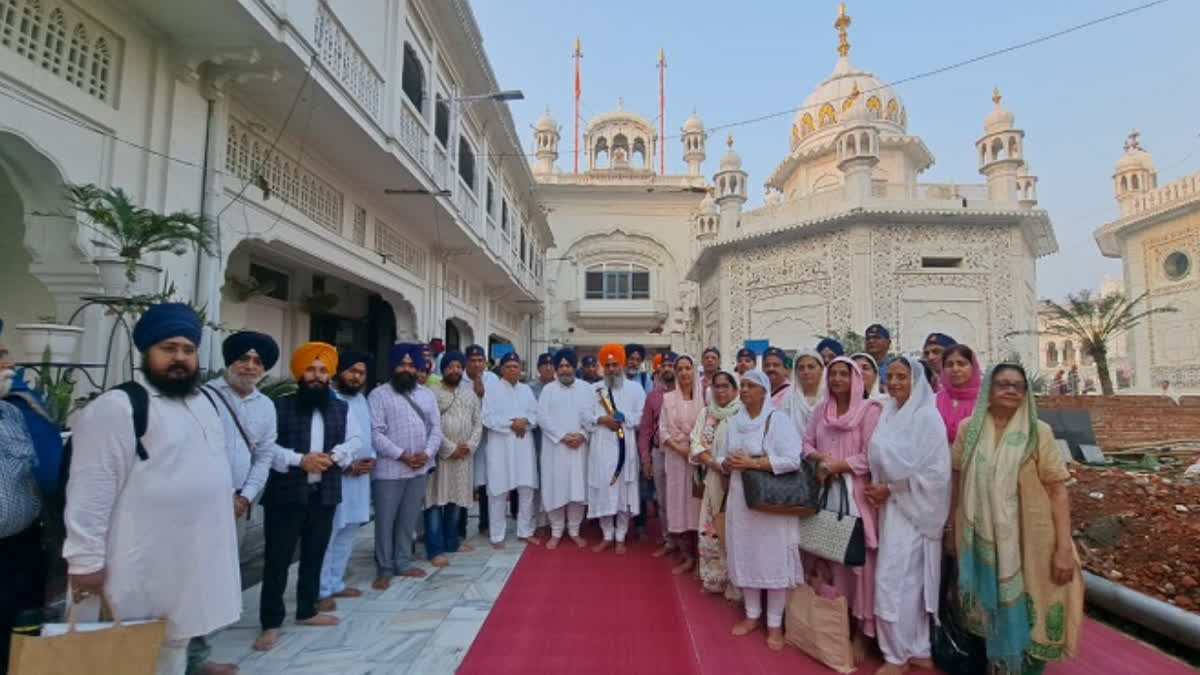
(634, 348)
(544, 359)
(349, 357)
(567, 354)
(163, 322)
(452, 356)
(670, 357)
(777, 352)
(940, 339)
(831, 344)
(746, 352)
(235, 347)
(510, 357)
(590, 360)
(410, 349)
(714, 350)
(476, 350)
(877, 330)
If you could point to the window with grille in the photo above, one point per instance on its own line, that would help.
(617, 281)
(413, 77)
(62, 42)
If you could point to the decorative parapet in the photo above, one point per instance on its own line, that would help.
(341, 55)
(64, 42)
(396, 247)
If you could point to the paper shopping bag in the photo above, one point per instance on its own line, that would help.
(820, 627)
(113, 648)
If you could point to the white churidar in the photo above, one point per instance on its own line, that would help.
(510, 461)
(604, 497)
(564, 410)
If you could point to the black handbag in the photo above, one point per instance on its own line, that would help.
(955, 650)
(795, 493)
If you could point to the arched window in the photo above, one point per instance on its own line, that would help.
(413, 77)
(639, 151)
(806, 124)
(1014, 150)
(1124, 184)
(875, 107)
(600, 151)
(1051, 355)
(1068, 353)
(997, 149)
(617, 281)
(77, 57)
(893, 110)
(54, 41)
(1133, 182)
(30, 33)
(827, 116)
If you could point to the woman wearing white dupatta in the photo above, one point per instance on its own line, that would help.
(808, 376)
(910, 472)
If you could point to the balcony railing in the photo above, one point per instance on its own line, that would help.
(618, 314)
(441, 166)
(467, 205)
(341, 55)
(413, 135)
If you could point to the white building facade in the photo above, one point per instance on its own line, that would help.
(348, 150)
(1157, 238)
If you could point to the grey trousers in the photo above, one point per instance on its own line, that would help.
(397, 510)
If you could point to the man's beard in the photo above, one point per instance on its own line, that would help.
(452, 379)
(240, 383)
(313, 395)
(566, 380)
(176, 382)
(632, 372)
(614, 381)
(403, 383)
(667, 377)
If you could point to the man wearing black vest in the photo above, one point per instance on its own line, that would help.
(315, 444)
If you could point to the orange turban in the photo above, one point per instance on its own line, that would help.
(612, 351)
(308, 352)
(658, 358)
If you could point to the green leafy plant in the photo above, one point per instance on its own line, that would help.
(56, 391)
(137, 305)
(132, 231)
(271, 387)
(1093, 322)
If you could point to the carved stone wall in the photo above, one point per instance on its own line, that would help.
(1174, 342)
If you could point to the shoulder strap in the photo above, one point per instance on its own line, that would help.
(420, 413)
(139, 400)
(236, 422)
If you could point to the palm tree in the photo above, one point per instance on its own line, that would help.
(1093, 321)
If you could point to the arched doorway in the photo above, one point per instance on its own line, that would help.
(458, 334)
(381, 335)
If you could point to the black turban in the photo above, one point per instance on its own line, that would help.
(237, 345)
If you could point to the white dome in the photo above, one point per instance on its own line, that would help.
(999, 118)
(857, 113)
(730, 161)
(825, 107)
(546, 122)
(693, 124)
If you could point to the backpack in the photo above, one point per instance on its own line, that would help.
(139, 400)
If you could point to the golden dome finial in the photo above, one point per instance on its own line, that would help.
(842, 23)
(996, 95)
(729, 141)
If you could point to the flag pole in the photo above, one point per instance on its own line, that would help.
(662, 111)
(578, 55)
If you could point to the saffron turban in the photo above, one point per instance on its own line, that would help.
(412, 350)
(777, 353)
(590, 360)
(833, 345)
(452, 356)
(565, 354)
(347, 358)
(612, 352)
(242, 342)
(510, 357)
(746, 353)
(877, 330)
(165, 321)
(758, 377)
(658, 360)
(476, 350)
(630, 349)
(940, 339)
(545, 359)
(308, 352)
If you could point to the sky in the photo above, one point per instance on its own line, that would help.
(1076, 97)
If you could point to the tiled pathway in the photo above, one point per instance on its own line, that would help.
(416, 627)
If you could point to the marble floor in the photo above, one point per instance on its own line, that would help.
(416, 627)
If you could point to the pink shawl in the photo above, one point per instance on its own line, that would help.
(957, 403)
(826, 408)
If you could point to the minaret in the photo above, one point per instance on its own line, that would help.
(731, 189)
(694, 138)
(1027, 187)
(545, 144)
(1000, 155)
(857, 149)
(706, 222)
(1133, 175)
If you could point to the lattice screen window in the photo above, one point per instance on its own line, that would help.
(37, 31)
(403, 252)
(453, 284)
(360, 225)
(341, 55)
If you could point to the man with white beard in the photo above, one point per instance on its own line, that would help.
(612, 450)
(564, 414)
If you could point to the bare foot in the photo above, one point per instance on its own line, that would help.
(440, 561)
(319, 620)
(620, 548)
(661, 551)
(858, 649)
(217, 669)
(774, 639)
(465, 548)
(348, 592)
(601, 546)
(553, 543)
(684, 567)
(382, 583)
(532, 541)
(498, 545)
(266, 640)
(414, 572)
(890, 669)
(923, 664)
(579, 541)
(326, 605)
(746, 626)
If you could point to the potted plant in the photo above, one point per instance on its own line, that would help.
(58, 342)
(57, 392)
(242, 289)
(131, 232)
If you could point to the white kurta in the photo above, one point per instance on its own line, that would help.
(355, 507)
(480, 457)
(605, 498)
(561, 411)
(162, 528)
(511, 462)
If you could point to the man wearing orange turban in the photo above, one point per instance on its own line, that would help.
(308, 352)
(611, 352)
(612, 472)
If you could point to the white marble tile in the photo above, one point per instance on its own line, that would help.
(438, 660)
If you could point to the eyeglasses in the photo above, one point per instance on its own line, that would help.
(1003, 385)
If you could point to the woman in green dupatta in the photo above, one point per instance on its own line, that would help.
(1019, 580)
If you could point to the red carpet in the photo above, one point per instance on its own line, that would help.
(574, 611)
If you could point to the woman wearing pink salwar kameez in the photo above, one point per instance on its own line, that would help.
(680, 409)
(837, 437)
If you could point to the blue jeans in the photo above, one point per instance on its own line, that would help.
(441, 529)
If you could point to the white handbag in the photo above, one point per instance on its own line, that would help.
(836, 536)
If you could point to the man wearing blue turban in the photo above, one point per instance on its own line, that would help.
(563, 415)
(830, 349)
(635, 354)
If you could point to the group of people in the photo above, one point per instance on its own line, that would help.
(936, 457)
